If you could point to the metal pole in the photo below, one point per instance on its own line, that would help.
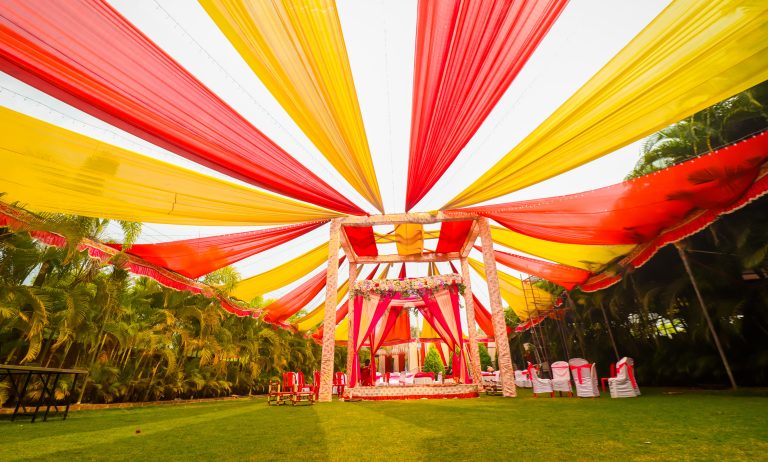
(610, 332)
(684, 257)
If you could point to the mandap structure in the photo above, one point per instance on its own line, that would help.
(92, 59)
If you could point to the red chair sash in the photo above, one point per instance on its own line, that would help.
(578, 370)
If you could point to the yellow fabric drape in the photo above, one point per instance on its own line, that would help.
(49, 169)
(297, 49)
(342, 333)
(409, 238)
(525, 300)
(589, 257)
(391, 237)
(693, 55)
(282, 275)
(316, 317)
(427, 331)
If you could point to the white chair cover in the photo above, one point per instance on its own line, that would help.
(622, 385)
(521, 380)
(561, 377)
(585, 378)
(540, 385)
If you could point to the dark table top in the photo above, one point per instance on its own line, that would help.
(43, 370)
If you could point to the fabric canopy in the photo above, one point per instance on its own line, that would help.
(315, 317)
(282, 275)
(565, 276)
(289, 304)
(299, 53)
(453, 235)
(592, 258)
(693, 55)
(362, 240)
(409, 238)
(112, 71)
(524, 299)
(467, 55)
(196, 257)
(49, 169)
(20, 220)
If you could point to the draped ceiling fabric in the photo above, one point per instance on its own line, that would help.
(20, 220)
(592, 258)
(409, 238)
(362, 240)
(694, 54)
(112, 71)
(50, 169)
(289, 304)
(196, 257)
(282, 275)
(453, 234)
(647, 212)
(315, 317)
(524, 299)
(298, 51)
(467, 55)
(562, 275)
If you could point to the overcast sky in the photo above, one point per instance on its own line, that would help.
(380, 37)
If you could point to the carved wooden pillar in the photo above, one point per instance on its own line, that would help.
(469, 304)
(329, 323)
(497, 312)
(353, 272)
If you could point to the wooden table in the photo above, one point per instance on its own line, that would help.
(20, 378)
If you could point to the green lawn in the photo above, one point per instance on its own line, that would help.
(656, 426)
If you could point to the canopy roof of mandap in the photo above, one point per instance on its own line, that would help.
(114, 113)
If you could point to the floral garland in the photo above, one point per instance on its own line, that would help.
(411, 287)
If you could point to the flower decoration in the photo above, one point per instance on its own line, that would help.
(411, 287)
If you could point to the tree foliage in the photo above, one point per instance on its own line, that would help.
(432, 361)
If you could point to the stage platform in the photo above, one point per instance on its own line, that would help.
(402, 392)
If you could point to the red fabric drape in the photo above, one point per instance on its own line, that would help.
(453, 234)
(642, 210)
(134, 264)
(362, 240)
(360, 332)
(402, 274)
(86, 54)
(343, 310)
(289, 304)
(196, 257)
(467, 55)
(562, 275)
(400, 332)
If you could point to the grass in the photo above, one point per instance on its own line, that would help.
(688, 426)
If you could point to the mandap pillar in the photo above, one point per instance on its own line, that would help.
(329, 321)
(497, 313)
(353, 272)
(469, 304)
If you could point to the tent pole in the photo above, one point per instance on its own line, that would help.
(469, 304)
(353, 272)
(687, 265)
(329, 322)
(610, 331)
(579, 337)
(497, 312)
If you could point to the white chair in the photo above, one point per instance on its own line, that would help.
(585, 378)
(561, 377)
(540, 385)
(624, 384)
(521, 381)
(394, 378)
